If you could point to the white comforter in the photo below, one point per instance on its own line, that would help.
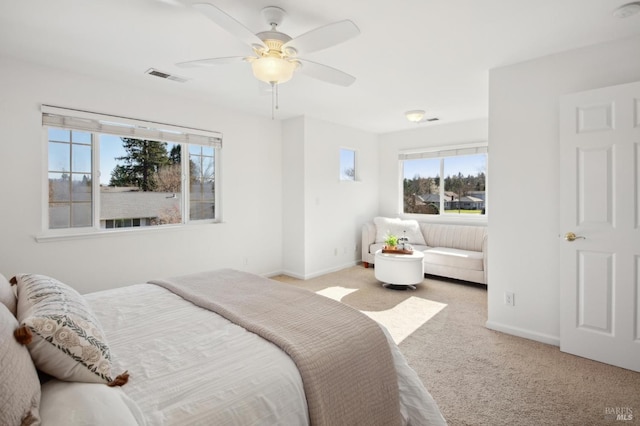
(190, 366)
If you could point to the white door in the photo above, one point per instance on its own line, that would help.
(600, 201)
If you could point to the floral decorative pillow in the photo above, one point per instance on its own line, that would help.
(63, 335)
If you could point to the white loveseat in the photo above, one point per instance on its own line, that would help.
(453, 251)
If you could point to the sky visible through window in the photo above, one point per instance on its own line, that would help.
(110, 149)
(347, 164)
(430, 167)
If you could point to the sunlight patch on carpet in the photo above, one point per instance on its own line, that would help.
(401, 320)
(336, 293)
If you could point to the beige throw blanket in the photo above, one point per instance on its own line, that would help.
(343, 357)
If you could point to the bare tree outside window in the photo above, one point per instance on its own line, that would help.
(126, 173)
(202, 182)
(347, 164)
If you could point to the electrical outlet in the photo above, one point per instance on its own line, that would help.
(509, 298)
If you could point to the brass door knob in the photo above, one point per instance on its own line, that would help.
(570, 236)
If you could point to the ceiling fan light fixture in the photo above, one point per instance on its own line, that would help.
(273, 69)
(275, 58)
(415, 116)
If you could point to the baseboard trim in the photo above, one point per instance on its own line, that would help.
(272, 274)
(291, 274)
(319, 273)
(521, 332)
(330, 270)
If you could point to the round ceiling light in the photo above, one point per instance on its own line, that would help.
(415, 115)
(627, 10)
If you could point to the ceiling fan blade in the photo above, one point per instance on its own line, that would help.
(210, 61)
(229, 24)
(325, 73)
(323, 37)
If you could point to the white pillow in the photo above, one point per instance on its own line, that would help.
(399, 228)
(65, 403)
(67, 340)
(7, 295)
(19, 384)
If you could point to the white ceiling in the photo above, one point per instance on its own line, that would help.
(411, 54)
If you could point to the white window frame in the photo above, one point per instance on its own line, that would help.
(355, 164)
(97, 124)
(442, 152)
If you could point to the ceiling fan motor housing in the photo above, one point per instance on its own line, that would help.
(274, 39)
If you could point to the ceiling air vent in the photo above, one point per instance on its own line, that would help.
(165, 75)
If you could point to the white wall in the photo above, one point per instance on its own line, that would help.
(524, 173)
(250, 238)
(293, 190)
(426, 136)
(333, 210)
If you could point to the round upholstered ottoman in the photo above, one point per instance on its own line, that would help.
(399, 271)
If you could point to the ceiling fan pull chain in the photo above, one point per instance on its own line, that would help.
(273, 99)
(277, 98)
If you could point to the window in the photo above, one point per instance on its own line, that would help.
(110, 172)
(462, 191)
(201, 182)
(70, 189)
(347, 164)
(121, 223)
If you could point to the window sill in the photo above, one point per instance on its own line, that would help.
(94, 233)
(460, 219)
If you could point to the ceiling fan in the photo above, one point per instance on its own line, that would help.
(276, 53)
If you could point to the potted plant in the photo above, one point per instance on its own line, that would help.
(391, 241)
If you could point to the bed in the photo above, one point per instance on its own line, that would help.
(216, 348)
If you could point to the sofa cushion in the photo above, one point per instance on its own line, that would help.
(379, 246)
(446, 256)
(399, 228)
(375, 247)
(463, 237)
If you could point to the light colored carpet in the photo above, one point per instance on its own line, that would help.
(479, 376)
